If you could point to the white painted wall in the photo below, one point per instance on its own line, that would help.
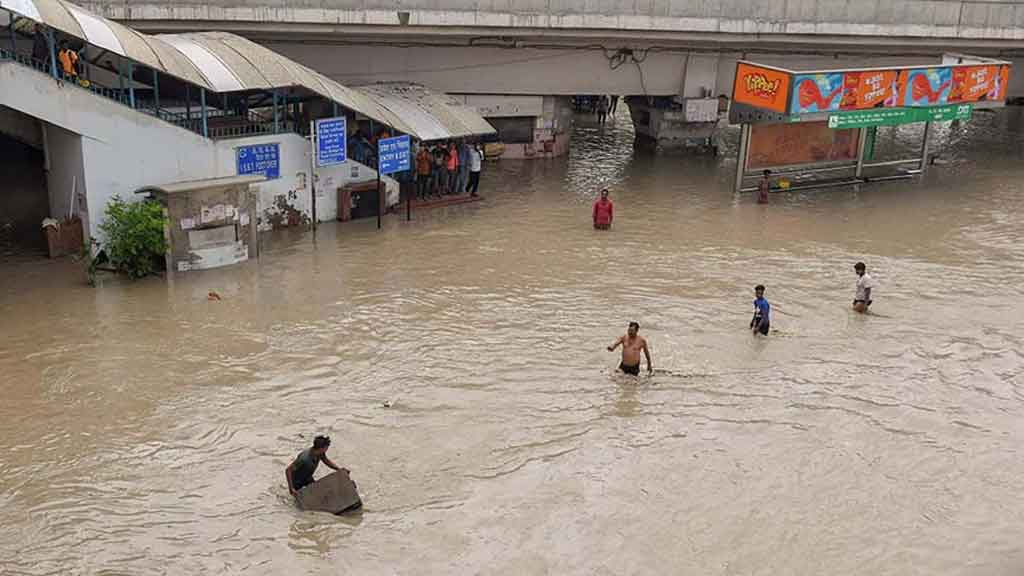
(110, 149)
(66, 172)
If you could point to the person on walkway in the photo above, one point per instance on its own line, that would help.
(763, 187)
(68, 59)
(604, 211)
(632, 344)
(761, 322)
(862, 299)
(300, 472)
(476, 162)
(602, 109)
(464, 159)
(613, 105)
(453, 167)
(440, 180)
(423, 165)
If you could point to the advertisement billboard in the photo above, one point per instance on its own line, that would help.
(816, 93)
(925, 86)
(760, 87)
(774, 145)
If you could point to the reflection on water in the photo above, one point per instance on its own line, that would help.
(145, 429)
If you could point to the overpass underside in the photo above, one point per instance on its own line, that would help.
(554, 49)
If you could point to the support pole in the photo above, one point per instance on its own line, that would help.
(312, 169)
(277, 120)
(131, 84)
(380, 199)
(863, 135)
(120, 82)
(334, 108)
(924, 147)
(741, 157)
(188, 104)
(53, 52)
(202, 106)
(14, 36)
(156, 92)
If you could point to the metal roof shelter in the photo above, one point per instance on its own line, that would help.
(432, 115)
(225, 63)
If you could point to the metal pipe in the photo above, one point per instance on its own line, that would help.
(861, 144)
(276, 119)
(741, 157)
(156, 92)
(131, 83)
(202, 104)
(53, 52)
(925, 141)
(776, 172)
(312, 169)
(14, 36)
(893, 163)
(188, 104)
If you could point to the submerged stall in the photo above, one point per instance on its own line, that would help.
(823, 121)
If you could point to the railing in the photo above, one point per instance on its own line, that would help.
(253, 123)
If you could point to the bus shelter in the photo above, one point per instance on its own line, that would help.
(824, 121)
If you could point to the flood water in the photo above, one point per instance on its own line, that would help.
(145, 429)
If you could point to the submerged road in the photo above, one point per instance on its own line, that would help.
(145, 429)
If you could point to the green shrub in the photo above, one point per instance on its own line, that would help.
(134, 234)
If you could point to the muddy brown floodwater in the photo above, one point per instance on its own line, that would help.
(145, 430)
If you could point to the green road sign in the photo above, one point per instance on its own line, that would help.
(894, 116)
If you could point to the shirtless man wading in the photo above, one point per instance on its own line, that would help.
(632, 344)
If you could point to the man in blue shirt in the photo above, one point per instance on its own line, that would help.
(760, 323)
(300, 472)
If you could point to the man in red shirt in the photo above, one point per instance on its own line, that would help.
(603, 212)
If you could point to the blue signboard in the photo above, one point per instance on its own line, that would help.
(331, 141)
(262, 159)
(395, 154)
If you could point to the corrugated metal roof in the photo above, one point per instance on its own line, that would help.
(433, 115)
(224, 63)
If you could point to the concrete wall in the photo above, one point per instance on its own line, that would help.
(906, 18)
(66, 172)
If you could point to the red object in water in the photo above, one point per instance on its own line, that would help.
(811, 94)
(603, 212)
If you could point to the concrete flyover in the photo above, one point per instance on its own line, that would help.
(976, 25)
(523, 58)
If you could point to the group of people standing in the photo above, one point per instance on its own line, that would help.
(448, 168)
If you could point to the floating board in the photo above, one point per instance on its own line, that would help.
(334, 493)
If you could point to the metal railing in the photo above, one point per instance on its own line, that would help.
(253, 123)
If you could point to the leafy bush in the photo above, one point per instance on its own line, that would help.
(134, 233)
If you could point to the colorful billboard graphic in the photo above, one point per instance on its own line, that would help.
(869, 89)
(761, 87)
(773, 145)
(925, 86)
(765, 95)
(979, 83)
(816, 93)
